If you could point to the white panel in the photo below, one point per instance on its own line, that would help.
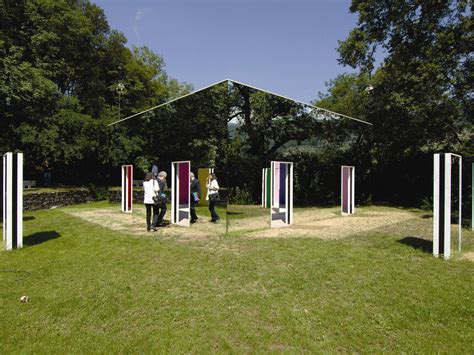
(353, 189)
(123, 190)
(4, 199)
(19, 182)
(173, 192)
(436, 205)
(460, 204)
(9, 210)
(291, 194)
(447, 204)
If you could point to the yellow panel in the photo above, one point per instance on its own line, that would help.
(202, 176)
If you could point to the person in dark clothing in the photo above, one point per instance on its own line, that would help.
(162, 207)
(195, 196)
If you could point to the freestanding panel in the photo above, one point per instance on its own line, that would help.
(203, 174)
(281, 211)
(266, 187)
(180, 193)
(12, 200)
(442, 203)
(127, 188)
(347, 190)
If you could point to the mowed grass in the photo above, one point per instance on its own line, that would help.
(95, 290)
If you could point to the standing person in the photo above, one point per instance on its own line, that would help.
(151, 188)
(212, 196)
(162, 206)
(195, 196)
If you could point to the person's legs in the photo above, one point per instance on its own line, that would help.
(194, 216)
(148, 215)
(212, 209)
(156, 212)
(162, 214)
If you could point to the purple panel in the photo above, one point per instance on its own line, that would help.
(276, 183)
(345, 192)
(183, 174)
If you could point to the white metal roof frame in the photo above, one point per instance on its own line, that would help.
(242, 84)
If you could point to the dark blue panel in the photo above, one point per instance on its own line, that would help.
(283, 170)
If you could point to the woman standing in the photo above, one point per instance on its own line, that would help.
(150, 187)
(212, 196)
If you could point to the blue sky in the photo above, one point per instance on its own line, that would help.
(285, 46)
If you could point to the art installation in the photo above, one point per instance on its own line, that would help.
(347, 190)
(203, 174)
(12, 190)
(281, 212)
(266, 187)
(180, 193)
(442, 203)
(127, 188)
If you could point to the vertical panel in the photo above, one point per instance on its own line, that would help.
(290, 197)
(345, 198)
(282, 184)
(8, 193)
(460, 204)
(19, 198)
(436, 215)
(281, 212)
(447, 203)
(353, 189)
(180, 193)
(130, 187)
(4, 199)
(183, 173)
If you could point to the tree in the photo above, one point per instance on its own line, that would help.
(421, 100)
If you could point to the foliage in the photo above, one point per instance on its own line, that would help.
(60, 65)
(420, 97)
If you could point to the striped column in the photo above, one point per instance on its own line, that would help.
(12, 189)
(281, 211)
(347, 190)
(127, 188)
(442, 203)
(180, 193)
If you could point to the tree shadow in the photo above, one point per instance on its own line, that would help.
(40, 237)
(418, 243)
(28, 218)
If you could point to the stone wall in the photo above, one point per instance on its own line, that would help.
(46, 200)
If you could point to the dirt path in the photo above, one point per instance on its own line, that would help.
(324, 223)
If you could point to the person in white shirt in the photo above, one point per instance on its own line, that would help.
(212, 196)
(150, 188)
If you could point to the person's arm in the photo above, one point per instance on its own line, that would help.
(156, 186)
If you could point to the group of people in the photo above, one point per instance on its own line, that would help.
(155, 199)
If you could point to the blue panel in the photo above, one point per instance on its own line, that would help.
(283, 173)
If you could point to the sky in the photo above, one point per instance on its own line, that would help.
(284, 46)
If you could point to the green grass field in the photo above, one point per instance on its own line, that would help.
(95, 289)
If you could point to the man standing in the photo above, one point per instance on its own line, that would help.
(162, 206)
(195, 196)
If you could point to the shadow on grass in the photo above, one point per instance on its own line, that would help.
(40, 237)
(418, 243)
(28, 218)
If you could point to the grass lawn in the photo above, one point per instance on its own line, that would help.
(96, 289)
